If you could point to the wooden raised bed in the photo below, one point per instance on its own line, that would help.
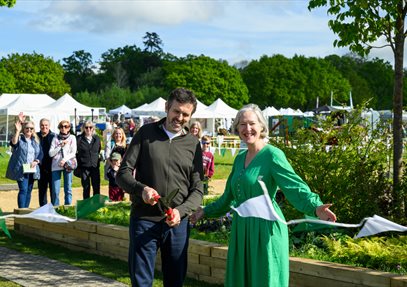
(206, 261)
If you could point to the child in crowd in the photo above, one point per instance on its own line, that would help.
(115, 192)
(208, 161)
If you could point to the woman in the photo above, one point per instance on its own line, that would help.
(195, 129)
(26, 155)
(63, 148)
(258, 248)
(118, 144)
(88, 159)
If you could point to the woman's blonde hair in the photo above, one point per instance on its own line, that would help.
(124, 139)
(198, 125)
(34, 134)
(256, 110)
(88, 123)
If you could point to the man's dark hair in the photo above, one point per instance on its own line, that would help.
(183, 96)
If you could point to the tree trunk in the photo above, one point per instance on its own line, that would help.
(398, 113)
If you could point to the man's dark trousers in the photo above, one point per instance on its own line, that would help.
(145, 239)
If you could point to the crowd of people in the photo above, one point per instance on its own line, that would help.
(47, 157)
(166, 160)
(55, 156)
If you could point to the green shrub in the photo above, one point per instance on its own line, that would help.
(354, 174)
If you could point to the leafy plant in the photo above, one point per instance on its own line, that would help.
(348, 166)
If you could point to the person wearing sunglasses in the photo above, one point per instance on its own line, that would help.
(88, 159)
(26, 155)
(63, 148)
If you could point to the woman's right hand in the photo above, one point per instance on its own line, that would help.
(18, 126)
(197, 215)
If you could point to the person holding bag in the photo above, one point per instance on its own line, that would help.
(62, 152)
(26, 155)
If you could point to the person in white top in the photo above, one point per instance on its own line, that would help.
(63, 148)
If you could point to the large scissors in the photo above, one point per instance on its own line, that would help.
(164, 203)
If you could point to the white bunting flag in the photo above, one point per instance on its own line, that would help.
(262, 207)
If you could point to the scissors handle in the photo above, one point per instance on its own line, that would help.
(170, 214)
(156, 197)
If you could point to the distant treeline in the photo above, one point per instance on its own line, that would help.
(132, 75)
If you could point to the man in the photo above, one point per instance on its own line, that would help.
(164, 157)
(45, 180)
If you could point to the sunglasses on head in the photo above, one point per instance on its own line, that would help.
(29, 128)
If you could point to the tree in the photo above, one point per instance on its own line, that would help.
(36, 74)
(359, 24)
(152, 43)
(208, 78)
(78, 70)
(7, 81)
(124, 66)
(371, 81)
(295, 83)
(8, 3)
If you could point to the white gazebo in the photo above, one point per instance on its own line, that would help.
(155, 108)
(12, 104)
(122, 110)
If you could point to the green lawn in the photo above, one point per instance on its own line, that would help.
(223, 166)
(4, 159)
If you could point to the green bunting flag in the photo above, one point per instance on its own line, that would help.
(223, 151)
(89, 205)
(3, 226)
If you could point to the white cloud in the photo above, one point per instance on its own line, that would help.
(115, 16)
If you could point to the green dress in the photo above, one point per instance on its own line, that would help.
(258, 249)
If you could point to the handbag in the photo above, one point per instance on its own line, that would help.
(71, 164)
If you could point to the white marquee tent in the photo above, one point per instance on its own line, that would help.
(122, 110)
(221, 110)
(12, 104)
(155, 108)
(71, 107)
(38, 106)
(271, 112)
(205, 114)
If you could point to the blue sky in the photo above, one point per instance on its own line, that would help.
(229, 30)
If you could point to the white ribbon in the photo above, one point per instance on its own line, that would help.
(44, 213)
(262, 207)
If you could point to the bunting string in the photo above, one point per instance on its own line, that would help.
(262, 207)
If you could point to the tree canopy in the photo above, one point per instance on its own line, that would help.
(208, 78)
(8, 3)
(78, 70)
(35, 73)
(295, 83)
